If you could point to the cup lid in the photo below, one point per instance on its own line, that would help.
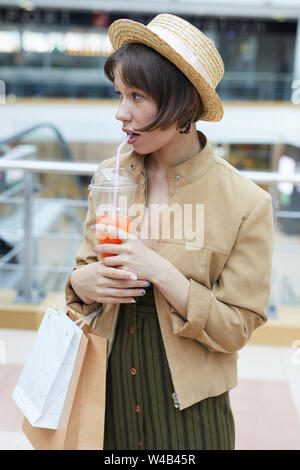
(104, 180)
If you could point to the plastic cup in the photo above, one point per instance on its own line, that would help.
(112, 195)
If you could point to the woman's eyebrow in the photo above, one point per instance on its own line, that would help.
(131, 88)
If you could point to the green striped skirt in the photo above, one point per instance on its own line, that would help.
(141, 406)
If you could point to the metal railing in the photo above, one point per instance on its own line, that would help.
(27, 292)
(28, 81)
(60, 139)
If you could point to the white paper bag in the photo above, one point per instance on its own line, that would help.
(43, 384)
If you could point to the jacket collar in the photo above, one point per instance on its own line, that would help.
(183, 173)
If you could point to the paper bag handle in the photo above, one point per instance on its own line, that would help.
(59, 300)
(89, 317)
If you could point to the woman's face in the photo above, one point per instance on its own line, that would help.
(136, 110)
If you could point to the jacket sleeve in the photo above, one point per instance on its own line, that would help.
(222, 319)
(84, 256)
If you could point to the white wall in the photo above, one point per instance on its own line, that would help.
(77, 122)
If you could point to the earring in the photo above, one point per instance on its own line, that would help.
(187, 129)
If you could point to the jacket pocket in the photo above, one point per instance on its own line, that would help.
(215, 264)
(204, 265)
(191, 263)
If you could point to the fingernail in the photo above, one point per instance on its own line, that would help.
(134, 278)
(142, 292)
(132, 301)
(147, 284)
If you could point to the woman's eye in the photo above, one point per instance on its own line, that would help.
(137, 96)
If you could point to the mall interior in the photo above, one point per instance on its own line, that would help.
(57, 114)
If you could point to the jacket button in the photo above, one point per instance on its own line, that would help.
(176, 178)
(133, 371)
(137, 409)
(132, 167)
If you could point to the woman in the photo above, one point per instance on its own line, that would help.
(173, 350)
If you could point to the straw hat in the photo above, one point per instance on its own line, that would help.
(186, 47)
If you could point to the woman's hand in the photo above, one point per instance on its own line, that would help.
(96, 282)
(131, 255)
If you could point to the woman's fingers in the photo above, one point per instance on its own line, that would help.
(117, 300)
(115, 232)
(115, 273)
(121, 293)
(123, 283)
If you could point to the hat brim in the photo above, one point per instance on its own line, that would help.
(124, 31)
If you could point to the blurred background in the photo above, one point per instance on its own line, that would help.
(57, 121)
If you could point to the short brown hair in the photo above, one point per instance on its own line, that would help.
(142, 67)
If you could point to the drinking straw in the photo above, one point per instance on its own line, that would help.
(117, 174)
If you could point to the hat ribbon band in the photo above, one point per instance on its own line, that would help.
(181, 49)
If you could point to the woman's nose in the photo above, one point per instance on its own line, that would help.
(123, 113)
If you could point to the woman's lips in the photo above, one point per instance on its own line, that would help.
(133, 139)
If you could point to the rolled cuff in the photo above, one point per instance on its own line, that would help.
(75, 303)
(198, 307)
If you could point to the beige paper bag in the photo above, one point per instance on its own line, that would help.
(82, 428)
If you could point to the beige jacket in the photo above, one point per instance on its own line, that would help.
(229, 275)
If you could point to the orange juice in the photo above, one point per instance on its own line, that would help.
(119, 221)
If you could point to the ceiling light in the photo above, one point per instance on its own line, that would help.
(29, 6)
